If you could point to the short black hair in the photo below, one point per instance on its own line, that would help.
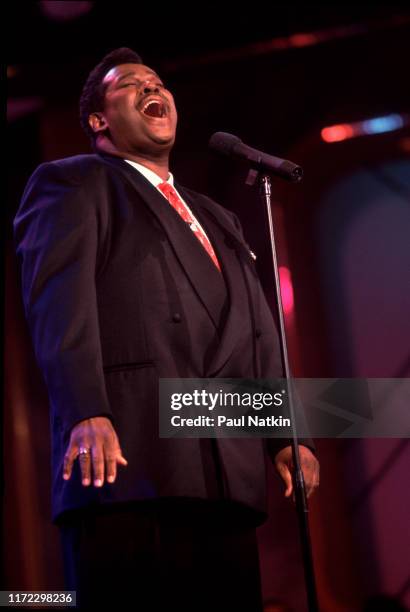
(92, 95)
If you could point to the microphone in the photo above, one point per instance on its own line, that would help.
(232, 146)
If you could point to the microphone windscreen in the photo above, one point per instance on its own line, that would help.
(223, 142)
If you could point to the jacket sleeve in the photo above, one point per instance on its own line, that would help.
(56, 239)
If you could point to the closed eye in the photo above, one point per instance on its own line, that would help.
(127, 85)
(138, 84)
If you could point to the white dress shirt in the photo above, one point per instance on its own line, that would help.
(156, 180)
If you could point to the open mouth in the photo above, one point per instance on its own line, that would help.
(154, 108)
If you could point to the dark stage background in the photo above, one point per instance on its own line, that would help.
(276, 77)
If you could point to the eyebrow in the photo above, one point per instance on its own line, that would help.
(127, 74)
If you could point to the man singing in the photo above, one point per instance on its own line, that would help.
(128, 277)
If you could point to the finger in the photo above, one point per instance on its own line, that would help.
(112, 457)
(116, 450)
(114, 447)
(111, 467)
(85, 467)
(309, 475)
(286, 477)
(69, 457)
(98, 465)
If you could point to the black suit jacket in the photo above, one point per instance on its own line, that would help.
(118, 292)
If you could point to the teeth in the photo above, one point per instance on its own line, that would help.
(150, 102)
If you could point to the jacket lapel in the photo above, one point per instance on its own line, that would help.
(203, 275)
(234, 257)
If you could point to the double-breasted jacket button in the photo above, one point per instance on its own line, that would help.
(176, 317)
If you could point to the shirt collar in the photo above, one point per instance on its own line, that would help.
(151, 176)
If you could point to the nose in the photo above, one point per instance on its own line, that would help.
(149, 87)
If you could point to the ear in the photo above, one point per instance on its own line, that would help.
(97, 122)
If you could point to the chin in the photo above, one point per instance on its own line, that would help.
(164, 140)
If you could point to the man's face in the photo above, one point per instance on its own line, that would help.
(139, 112)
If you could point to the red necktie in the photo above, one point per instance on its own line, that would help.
(176, 202)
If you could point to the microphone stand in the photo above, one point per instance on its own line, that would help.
(298, 481)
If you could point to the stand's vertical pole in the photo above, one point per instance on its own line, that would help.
(298, 481)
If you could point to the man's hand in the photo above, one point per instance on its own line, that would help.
(98, 436)
(308, 463)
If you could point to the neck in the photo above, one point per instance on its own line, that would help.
(159, 165)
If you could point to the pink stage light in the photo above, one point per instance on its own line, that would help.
(376, 125)
(336, 133)
(286, 289)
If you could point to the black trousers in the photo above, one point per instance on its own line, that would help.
(165, 556)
